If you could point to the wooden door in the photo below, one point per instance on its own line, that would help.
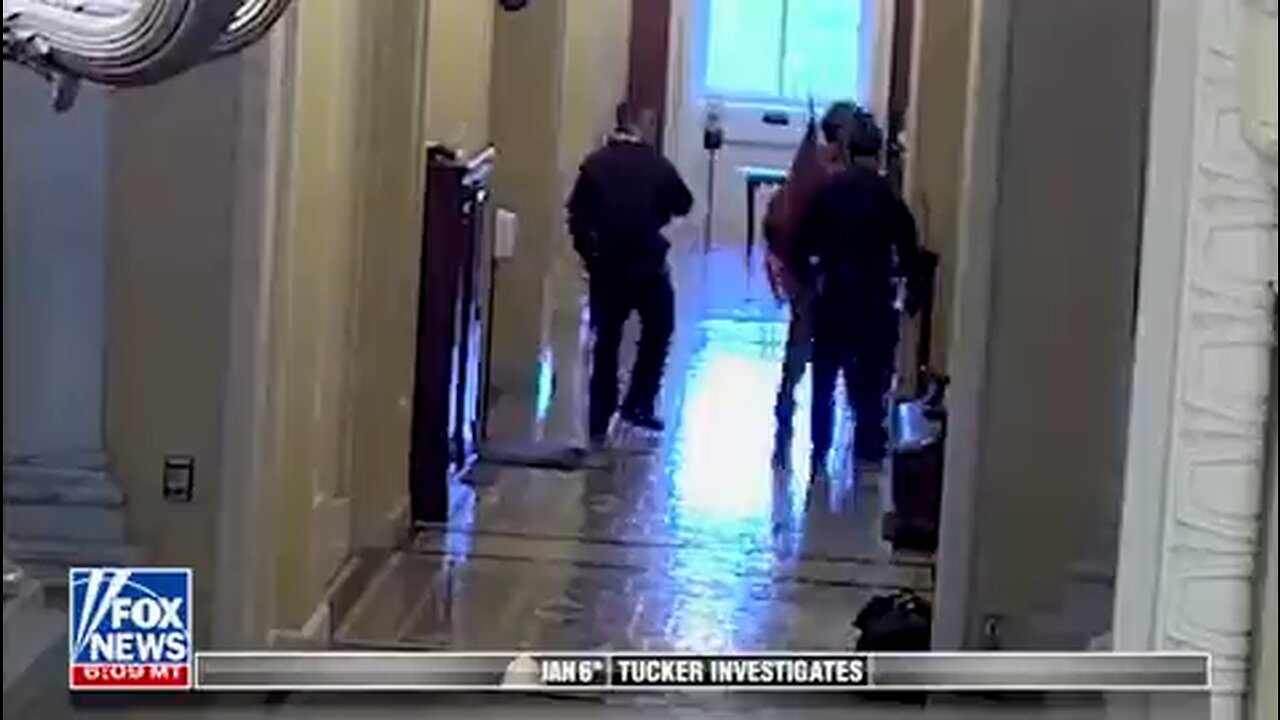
(448, 396)
(647, 65)
(900, 86)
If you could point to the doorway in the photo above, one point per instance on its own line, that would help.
(755, 69)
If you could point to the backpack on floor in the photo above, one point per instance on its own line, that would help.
(898, 622)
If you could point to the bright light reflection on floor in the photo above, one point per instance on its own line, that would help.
(722, 484)
(719, 459)
(726, 430)
(546, 383)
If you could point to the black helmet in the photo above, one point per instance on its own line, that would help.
(837, 121)
(864, 136)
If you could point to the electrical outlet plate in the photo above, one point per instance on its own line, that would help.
(179, 478)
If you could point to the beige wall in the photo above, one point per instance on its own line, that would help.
(1052, 397)
(459, 48)
(171, 180)
(937, 143)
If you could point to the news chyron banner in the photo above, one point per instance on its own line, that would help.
(841, 672)
(130, 629)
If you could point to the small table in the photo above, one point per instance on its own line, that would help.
(758, 177)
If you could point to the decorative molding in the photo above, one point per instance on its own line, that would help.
(1212, 506)
(1257, 80)
(243, 597)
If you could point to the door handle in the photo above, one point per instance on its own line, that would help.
(777, 118)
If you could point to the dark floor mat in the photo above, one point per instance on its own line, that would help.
(547, 455)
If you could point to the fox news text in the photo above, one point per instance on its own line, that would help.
(129, 628)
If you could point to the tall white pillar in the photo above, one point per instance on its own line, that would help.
(55, 219)
(1193, 511)
(60, 505)
(54, 269)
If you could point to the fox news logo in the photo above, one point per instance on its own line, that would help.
(130, 629)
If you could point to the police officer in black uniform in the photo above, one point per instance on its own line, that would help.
(626, 192)
(857, 238)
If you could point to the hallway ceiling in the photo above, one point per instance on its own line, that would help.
(130, 42)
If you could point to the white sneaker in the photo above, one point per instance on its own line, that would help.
(633, 438)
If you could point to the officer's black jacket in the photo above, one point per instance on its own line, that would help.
(855, 237)
(626, 192)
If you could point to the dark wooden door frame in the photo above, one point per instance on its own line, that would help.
(648, 53)
(900, 85)
(448, 411)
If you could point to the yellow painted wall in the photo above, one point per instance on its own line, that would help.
(312, 312)
(524, 103)
(937, 144)
(559, 69)
(459, 45)
(596, 40)
(341, 300)
(343, 284)
(345, 293)
(390, 176)
(596, 37)
(173, 171)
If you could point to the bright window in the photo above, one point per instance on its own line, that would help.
(785, 51)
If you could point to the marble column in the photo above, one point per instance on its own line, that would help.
(60, 502)
(1194, 498)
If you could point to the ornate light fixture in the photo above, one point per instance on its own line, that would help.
(128, 42)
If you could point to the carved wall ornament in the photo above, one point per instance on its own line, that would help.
(1212, 506)
(1257, 78)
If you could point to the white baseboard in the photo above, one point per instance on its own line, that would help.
(314, 633)
(318, 631)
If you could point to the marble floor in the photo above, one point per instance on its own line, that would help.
(694, 543)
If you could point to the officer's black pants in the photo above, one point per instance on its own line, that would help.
(862, 345)
(613, 297)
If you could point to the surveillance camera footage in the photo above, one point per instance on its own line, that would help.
(640, 359)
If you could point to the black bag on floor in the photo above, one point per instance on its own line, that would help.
(900, 622)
